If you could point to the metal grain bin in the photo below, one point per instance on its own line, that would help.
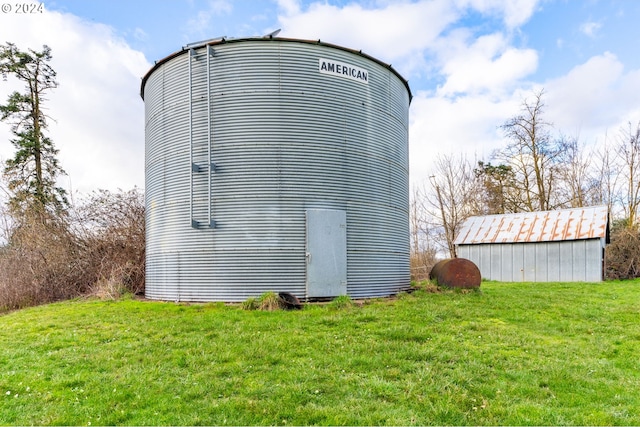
(275, 165)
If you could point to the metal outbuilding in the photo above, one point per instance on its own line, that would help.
(551, 246)
(275, 164)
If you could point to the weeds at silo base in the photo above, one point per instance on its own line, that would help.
(341, 302)
(268, 301)
(250, 303)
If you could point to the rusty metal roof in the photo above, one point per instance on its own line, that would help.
(547, 226)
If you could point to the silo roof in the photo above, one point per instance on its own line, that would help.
(268, 39)
(546, 226)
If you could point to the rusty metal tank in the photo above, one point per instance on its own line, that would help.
(456, 273)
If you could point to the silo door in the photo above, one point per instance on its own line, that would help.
(326, 253)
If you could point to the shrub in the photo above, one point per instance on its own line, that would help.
(623, 254)
(40, 263)
(112, 232)
(98, 247)
(269, 301)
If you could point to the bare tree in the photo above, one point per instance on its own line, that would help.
(605, 179)
(532, 155)
(423, 250)
(576, 186)
(452, 198)
(628, 153)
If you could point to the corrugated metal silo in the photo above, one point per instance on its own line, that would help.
(275, 164)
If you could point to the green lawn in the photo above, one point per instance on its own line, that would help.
(516, 354)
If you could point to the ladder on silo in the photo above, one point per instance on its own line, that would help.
(200, 137)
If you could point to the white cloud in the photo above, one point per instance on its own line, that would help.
(593, 97)
(140, 35)
(98, 113)
(409, 34)
(486, 64)
(590, 28)
(289, 7)
(221, 7)
(468, 124)
(396, 32)
(201, 24)
(514, 13)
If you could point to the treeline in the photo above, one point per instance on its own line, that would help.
(52, 248)
(539, 169)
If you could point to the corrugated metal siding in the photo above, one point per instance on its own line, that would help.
(569, 261)
(547, 226)
(284, 138)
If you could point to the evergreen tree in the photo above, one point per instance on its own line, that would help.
(31, 174)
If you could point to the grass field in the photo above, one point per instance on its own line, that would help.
(516, 354)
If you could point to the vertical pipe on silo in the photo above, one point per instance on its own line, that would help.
(210, 161)
(191, 54)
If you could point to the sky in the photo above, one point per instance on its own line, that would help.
(470, 65)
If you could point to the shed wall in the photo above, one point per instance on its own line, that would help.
(569, 261)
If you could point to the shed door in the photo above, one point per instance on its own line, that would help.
(326, 253)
